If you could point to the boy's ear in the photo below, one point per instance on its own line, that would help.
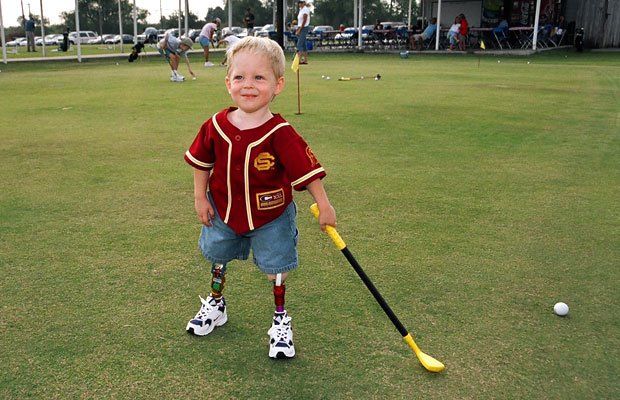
(227, 81)
(280, 85)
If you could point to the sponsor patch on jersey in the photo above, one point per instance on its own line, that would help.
(271, 199)
(264, 161)
(311, 157)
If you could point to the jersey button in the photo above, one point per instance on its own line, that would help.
(238, 138)
(238, 168)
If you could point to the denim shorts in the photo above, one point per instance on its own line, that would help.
(204, 41)
(301, 40)
(274, 245)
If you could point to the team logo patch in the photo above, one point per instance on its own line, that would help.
(311, 156)
(268, 200)
(264, 161)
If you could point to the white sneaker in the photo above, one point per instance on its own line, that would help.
(177, 78)
(212, 313)
(209, 64)
(281, 337)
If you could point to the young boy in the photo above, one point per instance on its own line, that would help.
(173, 49)
(246, 162)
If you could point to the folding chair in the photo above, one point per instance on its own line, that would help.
(501, 36)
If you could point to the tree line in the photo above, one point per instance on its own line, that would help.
(102, 15)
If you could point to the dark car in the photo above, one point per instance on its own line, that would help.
(117, 39)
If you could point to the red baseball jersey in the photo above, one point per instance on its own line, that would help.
(252, 171)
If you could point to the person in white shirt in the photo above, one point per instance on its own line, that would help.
(303, 19)
(206, 38)
(229, 40)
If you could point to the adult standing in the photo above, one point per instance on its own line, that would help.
(206, 38)
(30, 33)
(303, 19)
(248, 20)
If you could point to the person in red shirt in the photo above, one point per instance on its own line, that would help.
(463, 32)
(247, 161)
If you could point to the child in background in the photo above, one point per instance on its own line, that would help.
(453, 33)
(246, 162)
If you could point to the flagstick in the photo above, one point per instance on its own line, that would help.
(298, 95)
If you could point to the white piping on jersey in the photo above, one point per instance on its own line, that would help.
(198, 162)
(308, 175)
(221, 133)
(246, 177)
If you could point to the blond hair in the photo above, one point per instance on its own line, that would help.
(258, 45)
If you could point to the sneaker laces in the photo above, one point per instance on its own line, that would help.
(206, 308)
(282, 331)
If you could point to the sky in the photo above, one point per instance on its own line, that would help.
(11, 9)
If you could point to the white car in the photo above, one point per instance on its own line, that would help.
(84, 37)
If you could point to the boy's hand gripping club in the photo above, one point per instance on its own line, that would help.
(427, 361)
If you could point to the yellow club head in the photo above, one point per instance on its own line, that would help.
(427, 361)
(430, 363)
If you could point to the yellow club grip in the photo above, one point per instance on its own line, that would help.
(331, 231)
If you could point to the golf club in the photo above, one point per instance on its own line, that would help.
(427, 361)
(376, 77)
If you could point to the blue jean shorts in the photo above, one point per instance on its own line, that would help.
(301, 40)
(274, 245)
(204, 41)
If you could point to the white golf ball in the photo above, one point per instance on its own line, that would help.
(328, 78)
(498, 61)
(528, 62)
(322, 76)
(194, 78)
(560, 309)
(116, 63)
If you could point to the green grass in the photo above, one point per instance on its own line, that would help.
(475, 198)
(86, 50)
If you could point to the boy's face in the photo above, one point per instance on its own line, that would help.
(251, 82)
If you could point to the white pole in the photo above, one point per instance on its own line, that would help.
(42, 28)
(187, 18)
(360, 19)
(77, 29)
(409, 17)
(229, 13)
(120, 23)
(135, 24)
(438, 32)
(2, 36)
(180, 10)
(284, 12)
(536, 20)
(355, 13)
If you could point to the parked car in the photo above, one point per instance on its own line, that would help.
(50, 40)
(20, 41)
(392, 25)
(84, 37)
(148, 36)
(322, 28)
(194, 33)
(99, 39)
(117, 39)
(173, 31)
(235, 30)
(268, 30)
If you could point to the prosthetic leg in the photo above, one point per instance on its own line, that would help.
(281, 332)
(213, 309)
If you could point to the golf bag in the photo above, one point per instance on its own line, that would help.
(135, 50)
(64, 45)
(579, 40)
